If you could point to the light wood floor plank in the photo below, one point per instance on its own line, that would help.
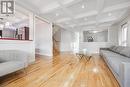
(64, 70)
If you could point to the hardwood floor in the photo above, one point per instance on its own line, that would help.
(64, 70)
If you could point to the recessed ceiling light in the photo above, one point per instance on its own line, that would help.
(110, 14)
(94, 31)
(83, 6)
(57, 14)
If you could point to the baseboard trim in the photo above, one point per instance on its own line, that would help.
(38, 55)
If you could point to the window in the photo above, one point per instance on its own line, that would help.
(124, 30)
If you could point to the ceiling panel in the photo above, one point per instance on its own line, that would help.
(82, 7)
(56, 15)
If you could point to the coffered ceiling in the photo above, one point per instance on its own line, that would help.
(80, 14)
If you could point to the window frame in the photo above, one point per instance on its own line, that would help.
(124, 34)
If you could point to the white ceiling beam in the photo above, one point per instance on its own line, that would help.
(86, 14)
(63, 20)
(100, 7)
(86, 28)
(72, 3)
(87, 23)
(107, 20)
(117, 7)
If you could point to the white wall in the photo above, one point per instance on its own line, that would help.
(43, 38)
(66, 40)
(113, 35)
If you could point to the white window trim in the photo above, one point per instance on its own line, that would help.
(123, 42)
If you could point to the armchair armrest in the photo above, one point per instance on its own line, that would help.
(125, 74)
